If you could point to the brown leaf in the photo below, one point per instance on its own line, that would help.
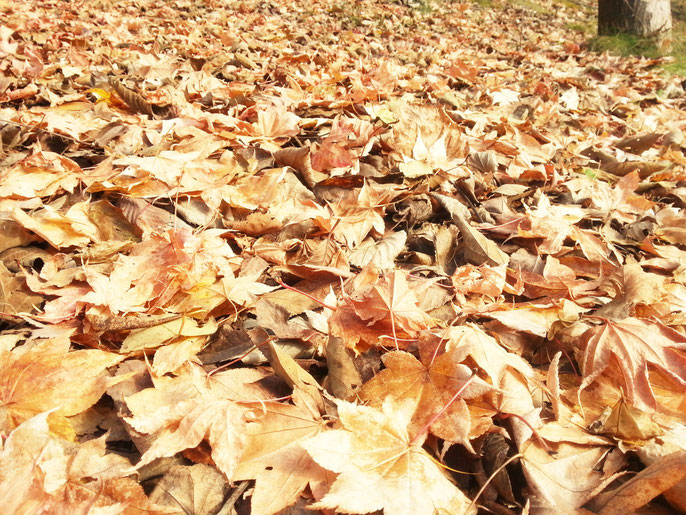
(295, 376)
(639, 143)
(495, 455)
(479, 250)
(299, 159)
(344, 380)
(135, 101)
(194, 489)
(635, 346)
(12, 235)
(644, 486)
(15, 297)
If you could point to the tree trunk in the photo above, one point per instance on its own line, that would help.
(639, 17)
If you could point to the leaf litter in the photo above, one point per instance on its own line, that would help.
(352, 256)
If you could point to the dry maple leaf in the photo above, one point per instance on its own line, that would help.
(433, 383)
(563, 481)
(183, 411)
(357, 216)
(385, 309)
(380, 467)
(553, 223)
(195, 489)
(391, 299)
(274, 457)
(635, 345)
(469, 341)
(40, 473)
(44, 375)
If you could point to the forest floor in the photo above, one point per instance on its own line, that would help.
(286, 256)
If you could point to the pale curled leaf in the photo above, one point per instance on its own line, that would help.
(382, 253)
(479, 250)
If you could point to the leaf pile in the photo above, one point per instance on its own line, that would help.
(354, 256)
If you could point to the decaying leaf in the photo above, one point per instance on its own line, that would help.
(344, 378)
(295, 376)
(194, 489)
(478, 249)
(644, 486)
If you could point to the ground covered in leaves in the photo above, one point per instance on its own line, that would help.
(350, 256)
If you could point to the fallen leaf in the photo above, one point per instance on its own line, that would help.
(46, 376)
(634, 345)
(434, 384)
(344, 380)
(274, 456)
(55, 474)
(15, 297)
(194, 489)
(182, 411)
(295, 376)
(388, 471)
(644, 486)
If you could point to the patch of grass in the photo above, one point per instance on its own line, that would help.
(581, 27)
(621, 44)
(624, 45)
(678, 65)
(532, 6)
(425, 7)
(627, 44)
(584, 7)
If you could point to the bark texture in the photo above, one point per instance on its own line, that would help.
(639, 17)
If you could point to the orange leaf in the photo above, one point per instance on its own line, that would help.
(433, 383)
(37, 469)
(45, 376)
(635, 345)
